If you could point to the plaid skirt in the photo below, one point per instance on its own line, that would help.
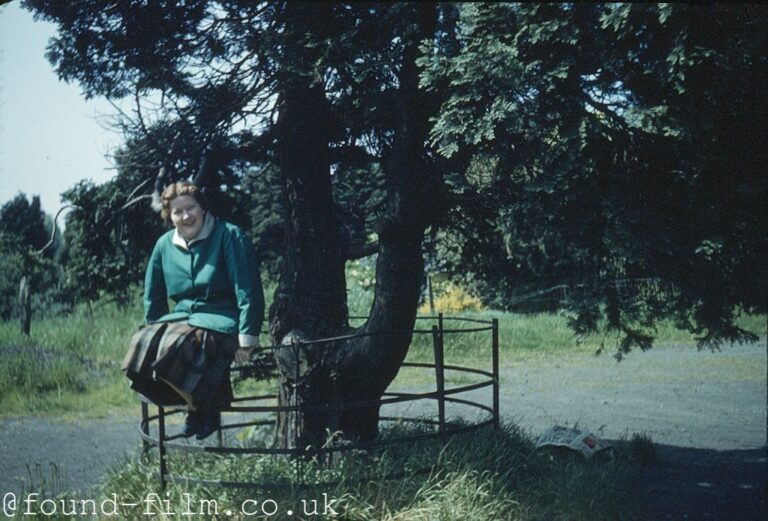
(172, 363)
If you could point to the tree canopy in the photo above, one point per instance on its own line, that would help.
(568, 143)
(612, 141)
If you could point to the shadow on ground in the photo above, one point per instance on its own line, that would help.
(704, 484)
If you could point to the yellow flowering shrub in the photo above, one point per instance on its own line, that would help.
(452, 299)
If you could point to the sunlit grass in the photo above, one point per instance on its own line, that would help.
(480, 475)
(71, 364)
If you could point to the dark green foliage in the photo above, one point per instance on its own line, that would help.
(48, 294)
(12, 260)
(359, 195)
(23, 220)
(267, 217)
(112, 229)
(107, 247)
(24, 231)
(612, 141)
(577, 144)
(206, 108)
(640, 450)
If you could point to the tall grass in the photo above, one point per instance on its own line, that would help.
(68, 364)
(484, 475)
(71, 364)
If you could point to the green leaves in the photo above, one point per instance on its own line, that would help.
(24, 231)
(583, 143)
(619, 155)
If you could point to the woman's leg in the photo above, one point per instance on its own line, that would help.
(215, 389)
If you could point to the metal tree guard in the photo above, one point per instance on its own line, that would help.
(441, 395)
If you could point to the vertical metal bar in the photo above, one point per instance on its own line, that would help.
(437, 344)
(441, 377)
(161, 445)
(332, 458)
(495, 350)
(144, 426)
(296, 419)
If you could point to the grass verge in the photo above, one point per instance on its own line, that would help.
(483, 475)
(71, 365)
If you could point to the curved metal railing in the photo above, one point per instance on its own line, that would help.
(260, 415)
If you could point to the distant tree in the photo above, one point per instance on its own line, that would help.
(13, 262)
(24, 220)
(112, 228)
(98, 246)
(24, 231)
(267, 216)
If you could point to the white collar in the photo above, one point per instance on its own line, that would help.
(204, 232)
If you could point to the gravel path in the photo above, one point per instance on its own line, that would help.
(677, 395)
(55, 455)
(706, 411)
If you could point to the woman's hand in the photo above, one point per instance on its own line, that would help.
(243, 355)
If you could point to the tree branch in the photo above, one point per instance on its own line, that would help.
(366, 250)
(53, 230)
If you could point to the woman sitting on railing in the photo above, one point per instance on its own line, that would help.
(209, 268)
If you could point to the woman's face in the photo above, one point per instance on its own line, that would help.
(187, 216)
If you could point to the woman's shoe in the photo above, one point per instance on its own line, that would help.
(192, 424)
(211, 423)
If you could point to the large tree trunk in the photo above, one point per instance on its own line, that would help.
(310, 302)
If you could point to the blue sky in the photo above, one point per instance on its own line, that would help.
(50, 137)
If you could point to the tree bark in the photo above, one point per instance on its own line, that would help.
(310, 302)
